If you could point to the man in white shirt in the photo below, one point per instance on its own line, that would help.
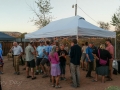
(17, 52)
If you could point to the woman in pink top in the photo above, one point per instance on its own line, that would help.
(55, 68)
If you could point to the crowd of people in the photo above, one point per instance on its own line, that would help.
(50, 59)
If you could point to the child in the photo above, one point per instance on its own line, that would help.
(62, 55)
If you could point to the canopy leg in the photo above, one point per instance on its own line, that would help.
(115, 47)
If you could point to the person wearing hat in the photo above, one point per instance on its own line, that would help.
(30, 52)
(40, 56)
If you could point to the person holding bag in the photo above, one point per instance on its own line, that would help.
(102, 57)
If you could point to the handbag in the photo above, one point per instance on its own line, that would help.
(101, 61)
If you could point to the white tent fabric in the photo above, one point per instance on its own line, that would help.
(72, 26)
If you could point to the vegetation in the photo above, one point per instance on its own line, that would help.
(43, 13)
(116, 20)
(104, 25)
(113, 88)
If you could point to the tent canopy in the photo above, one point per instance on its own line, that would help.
(72, 26)
(5, 37)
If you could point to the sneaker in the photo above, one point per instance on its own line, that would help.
(37, 73)
(58, 87)
(33, 78)
(61, 78)
(1, 73)
(28, 76)
(15, 72)
(64, 79)
(73, 86)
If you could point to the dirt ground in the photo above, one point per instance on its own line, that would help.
(10, 81)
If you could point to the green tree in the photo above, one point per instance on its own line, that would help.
(43, 13)
(104, 25)
(116, 20)
(22, 35)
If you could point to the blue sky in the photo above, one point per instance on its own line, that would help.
(15, 14)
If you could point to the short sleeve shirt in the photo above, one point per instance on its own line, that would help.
(17, 50)
(111, 50)
(84, 49)
(40, 51)
(48, 50)
(89, 52)
(29, 53)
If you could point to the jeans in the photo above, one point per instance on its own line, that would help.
(62, 68)
(75, 72)
(90, 68)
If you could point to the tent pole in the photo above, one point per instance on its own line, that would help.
(77, 37)
(115, 47)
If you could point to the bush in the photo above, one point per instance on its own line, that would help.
(113, 88)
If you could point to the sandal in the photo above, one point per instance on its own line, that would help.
(94, 80)
(58, 86)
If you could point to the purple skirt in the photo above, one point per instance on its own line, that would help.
(55, 69)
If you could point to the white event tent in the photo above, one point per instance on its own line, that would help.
(73, 26)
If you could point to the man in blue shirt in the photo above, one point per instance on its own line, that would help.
(40, 56)
(46, 51)
(90, 59)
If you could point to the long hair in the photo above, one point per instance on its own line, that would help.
(102, 46)
(53, 51)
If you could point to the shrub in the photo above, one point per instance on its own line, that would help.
(113, 88)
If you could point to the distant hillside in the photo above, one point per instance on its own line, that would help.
(14, 34)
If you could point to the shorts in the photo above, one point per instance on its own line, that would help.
(38, 60)
(83, 58)
(45, 61)
(31, 64)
